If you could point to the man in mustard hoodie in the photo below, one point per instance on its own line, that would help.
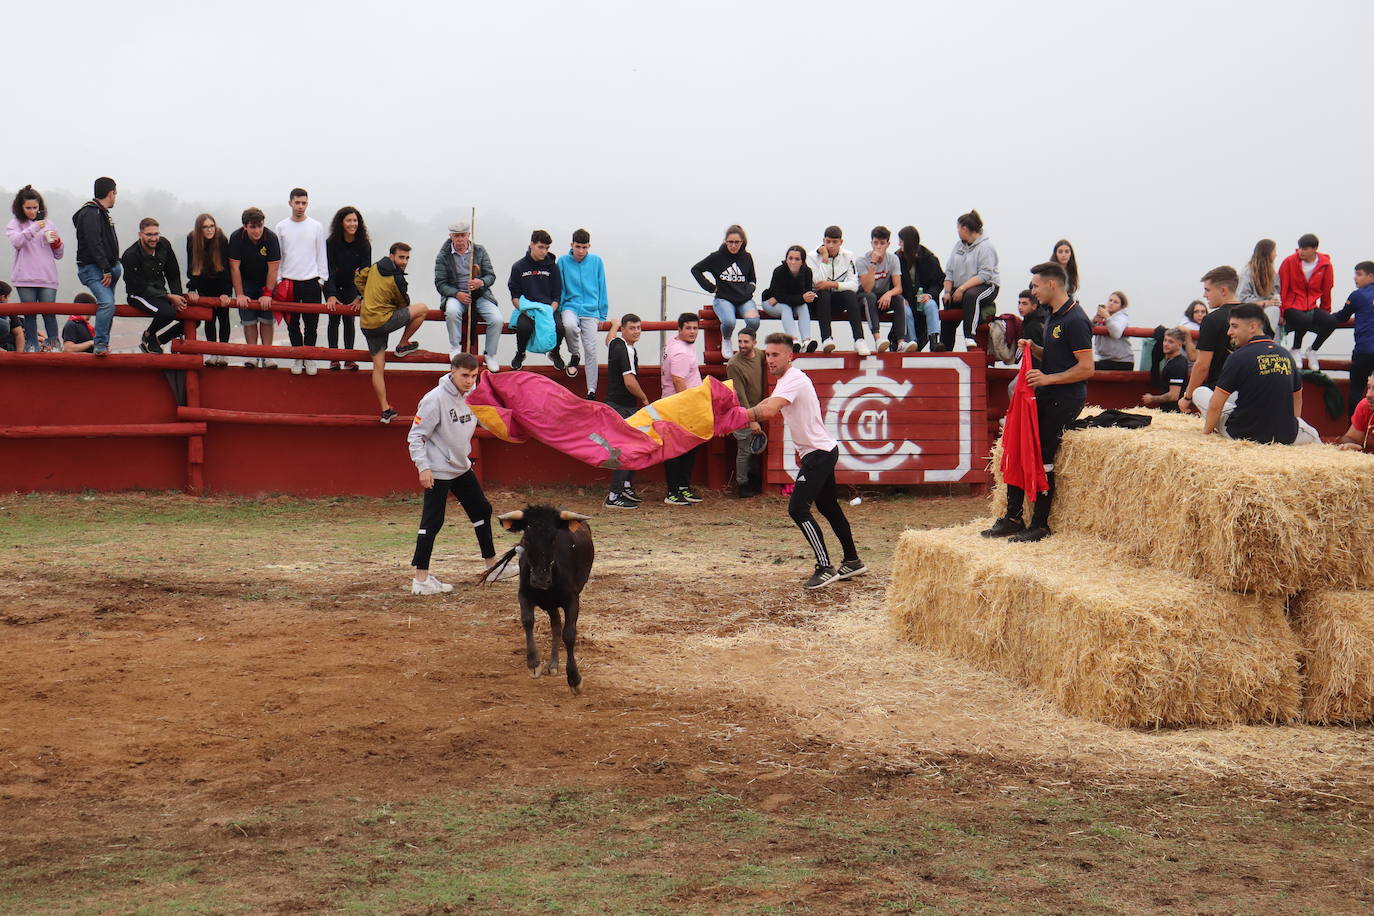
(385, 308)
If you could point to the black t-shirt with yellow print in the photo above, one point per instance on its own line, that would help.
(253, 258)
(1263, 376)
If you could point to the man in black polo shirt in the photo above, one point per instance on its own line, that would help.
(1174, 372)
(1060, 390)
(1213, 337)
(625, 396)
(1259, 394)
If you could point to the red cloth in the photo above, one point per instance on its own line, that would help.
(1022, 464)
(1296, 291)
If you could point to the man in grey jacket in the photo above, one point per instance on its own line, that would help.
(459, 287)
(440, 442)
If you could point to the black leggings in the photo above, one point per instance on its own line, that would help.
(304, 291)
(816, 485)
(468, 492)
(678, 471)
(350, 325)
(975, 299)
(1319, 321)
(1361, 368)
(217, 326)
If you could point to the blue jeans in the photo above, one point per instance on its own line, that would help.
(38, 294)
(725, 311)
(89, 275)
(490, 313)
(791, 316)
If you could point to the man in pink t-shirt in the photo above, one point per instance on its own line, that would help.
(795, 398)
(680, 372)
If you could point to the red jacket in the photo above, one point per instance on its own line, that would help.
(1298, 292)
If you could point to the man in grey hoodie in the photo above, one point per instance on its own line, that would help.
(440, 442)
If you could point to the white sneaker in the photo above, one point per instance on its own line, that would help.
(861, 347)
(309, 366)
(251, 363)
(297, 366)
(1312, 362)
(960, 345)
(828, 345)
(265, 363)
(883, 345)
(909, 346)
(726, 350)
(430, 586)
(493, 364)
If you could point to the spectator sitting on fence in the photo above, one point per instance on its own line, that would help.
(586, 303)
(1360, 436)
(728, 275)
(1113, 349)
(78, 336)
(536, 284)
(152, 281)
(923, 279)
(789, 295)
(971, 281)
(1259, 393)
(880, 290)
(386, 307)
(1360, 306)
(11, 327)
(1174, 373)
(837, 286)
(1305, 281)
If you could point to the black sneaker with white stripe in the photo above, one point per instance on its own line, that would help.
(618, 501)
(692, 496)
(630, 494)
(851, 568)
(823, 576)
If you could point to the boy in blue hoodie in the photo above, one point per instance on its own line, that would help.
(1360, 306)
(585, 304)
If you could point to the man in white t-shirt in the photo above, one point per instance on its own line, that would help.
(305, 264)
(795, 398)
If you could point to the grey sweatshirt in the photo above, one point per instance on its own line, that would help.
(966, 260)
(440, 439)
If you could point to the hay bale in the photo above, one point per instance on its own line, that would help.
(1273, 519)
(1335, 631)
(1106, 640)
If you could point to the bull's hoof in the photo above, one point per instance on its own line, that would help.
(576, 689)
(534, 672)
(549, 669)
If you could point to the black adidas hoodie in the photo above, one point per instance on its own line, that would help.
(734, 275)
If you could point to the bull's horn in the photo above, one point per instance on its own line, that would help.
(569, 516)
(512, 516)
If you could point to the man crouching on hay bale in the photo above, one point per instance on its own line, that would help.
(1259, 393)
(1066, 360)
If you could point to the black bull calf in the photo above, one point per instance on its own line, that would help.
(555, 565)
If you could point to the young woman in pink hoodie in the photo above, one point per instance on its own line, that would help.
(37, 246)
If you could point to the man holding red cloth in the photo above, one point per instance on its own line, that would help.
(1060, 389)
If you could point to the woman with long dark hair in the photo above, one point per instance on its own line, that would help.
(37, 248)
(1259, 282)
(1067, 258)
(922, 280)
(207, 274)
(971, 280)
(349, 250)
(789, 296)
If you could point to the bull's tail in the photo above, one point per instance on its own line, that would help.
(499, 568)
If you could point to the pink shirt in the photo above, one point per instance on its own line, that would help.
(802, 413)
(35, 261)
(680, 359)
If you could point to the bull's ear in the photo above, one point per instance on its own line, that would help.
(512, 521)
(574, 525)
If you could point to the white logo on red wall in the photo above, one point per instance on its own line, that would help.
(857, 416)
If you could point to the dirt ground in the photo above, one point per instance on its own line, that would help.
(223, 706)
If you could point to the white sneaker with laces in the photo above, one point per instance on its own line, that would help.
(909, 347)
(309, 365)
(1313, 362)
(861, 347)
(429, 586)
(960, 345)
(828, 345)
(297, 366)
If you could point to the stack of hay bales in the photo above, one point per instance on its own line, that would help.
(1190, 581)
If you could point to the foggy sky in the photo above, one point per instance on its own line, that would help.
(1163, 139)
